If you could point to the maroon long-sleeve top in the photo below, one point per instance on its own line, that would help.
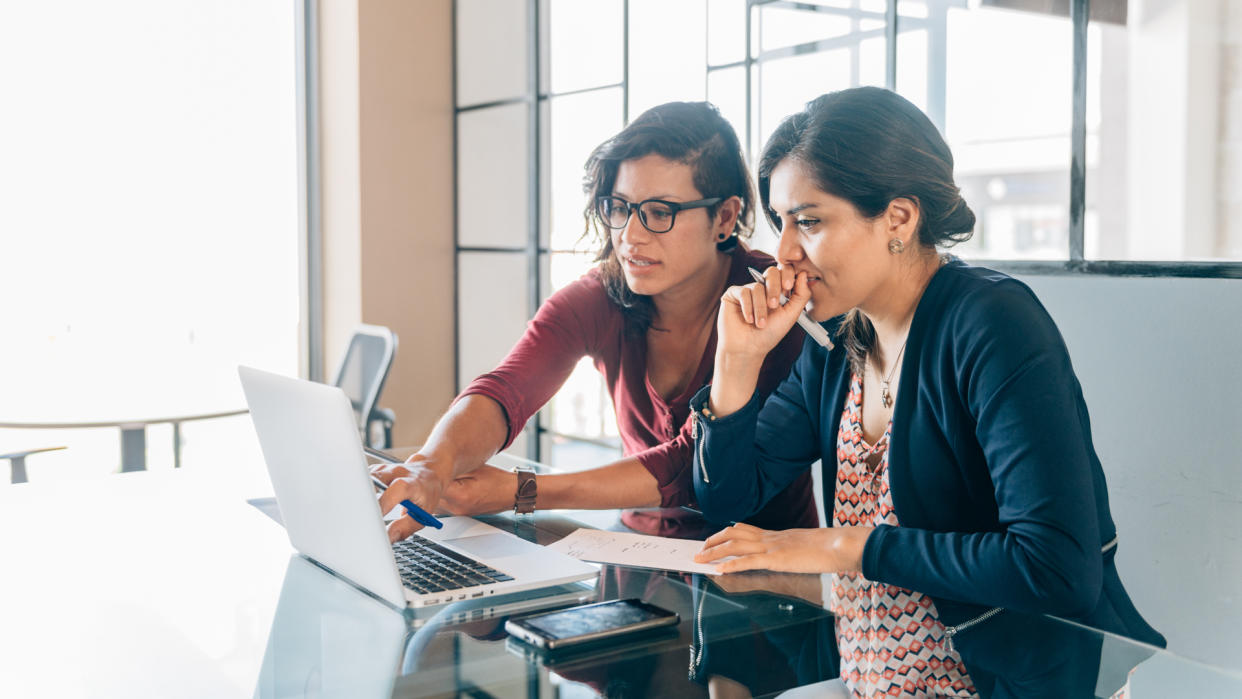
(580, 320)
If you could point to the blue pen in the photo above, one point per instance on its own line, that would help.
(419, 515)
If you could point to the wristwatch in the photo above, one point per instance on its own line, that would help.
(524, 502)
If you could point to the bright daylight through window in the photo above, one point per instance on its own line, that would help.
(996, 76)
(148, 222)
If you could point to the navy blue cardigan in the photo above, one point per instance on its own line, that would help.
(994, 479)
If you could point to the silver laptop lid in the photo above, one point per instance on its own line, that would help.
(319, 474)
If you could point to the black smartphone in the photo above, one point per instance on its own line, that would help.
(589, 623)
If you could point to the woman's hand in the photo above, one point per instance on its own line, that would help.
(413, 480)
(822, 550)
(752, 320)
(485, 490)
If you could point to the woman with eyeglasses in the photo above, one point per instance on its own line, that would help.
(960, 476)
(668, 199)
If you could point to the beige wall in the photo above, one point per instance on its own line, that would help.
(387, 143)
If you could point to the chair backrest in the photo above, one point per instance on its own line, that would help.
(365, 367)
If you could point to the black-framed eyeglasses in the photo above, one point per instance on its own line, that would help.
(656, 215)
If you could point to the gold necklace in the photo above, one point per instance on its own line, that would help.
(886, 397)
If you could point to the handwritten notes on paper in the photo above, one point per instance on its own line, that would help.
(623, 548)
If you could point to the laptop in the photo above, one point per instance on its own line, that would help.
(330, 509)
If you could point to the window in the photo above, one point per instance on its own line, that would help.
(1164, 131)
(1020, 91)
(149, 219)
(997, 82)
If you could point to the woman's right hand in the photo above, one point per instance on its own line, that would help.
(752, 320)
(751, 323)
(414, 480)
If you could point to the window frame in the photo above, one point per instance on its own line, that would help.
(1076, 262)
(537, 96)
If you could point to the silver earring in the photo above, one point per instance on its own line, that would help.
(896, 247)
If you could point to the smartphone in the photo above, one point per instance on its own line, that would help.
(589, 623)
(645, 644)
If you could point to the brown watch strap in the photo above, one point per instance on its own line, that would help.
(524, 501)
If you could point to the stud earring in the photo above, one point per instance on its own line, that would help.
(722, 236)
(896, 246)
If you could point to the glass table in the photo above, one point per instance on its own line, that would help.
(168, 583)
(323, 630)
(739, 636)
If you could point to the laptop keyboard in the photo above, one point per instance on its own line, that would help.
(426, 566)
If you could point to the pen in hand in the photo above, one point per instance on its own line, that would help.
(419, 515)
(813, 329)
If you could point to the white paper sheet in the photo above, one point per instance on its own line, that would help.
(638, 550)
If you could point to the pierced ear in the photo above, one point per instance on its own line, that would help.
(727, 213)
(903, 216)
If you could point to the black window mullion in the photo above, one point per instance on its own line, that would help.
(1079, 12)
(311, 186)
(579, 91)
(1120, 268)
(890, 45)
(494, 103)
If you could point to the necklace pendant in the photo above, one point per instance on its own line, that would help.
(886, 399)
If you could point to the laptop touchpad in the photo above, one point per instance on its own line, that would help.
(490, 545)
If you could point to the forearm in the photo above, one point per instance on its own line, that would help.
(733, 383)
(624, 483)
(1031, 569)
(469, 434)
(742, 460)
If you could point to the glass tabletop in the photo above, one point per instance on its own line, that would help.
(763, 641)
(164, 584)
(739, 635)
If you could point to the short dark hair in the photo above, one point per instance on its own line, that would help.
(693, 133)
(869, 146)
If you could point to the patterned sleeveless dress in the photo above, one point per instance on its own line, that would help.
(891, 640)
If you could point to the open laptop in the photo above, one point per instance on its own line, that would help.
(329, 507)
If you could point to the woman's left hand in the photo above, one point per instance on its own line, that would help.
(822, 550)
(484, 490)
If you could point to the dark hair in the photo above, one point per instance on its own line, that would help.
(693, 133)
(869, 146)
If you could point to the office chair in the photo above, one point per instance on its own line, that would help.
(17, 462)
(362, 374)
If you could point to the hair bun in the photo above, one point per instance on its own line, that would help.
(957, 224)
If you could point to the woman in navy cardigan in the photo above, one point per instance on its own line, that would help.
(953, 436)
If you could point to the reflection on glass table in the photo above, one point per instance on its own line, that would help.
(171, 585)
(744, 635)
(329, 639)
